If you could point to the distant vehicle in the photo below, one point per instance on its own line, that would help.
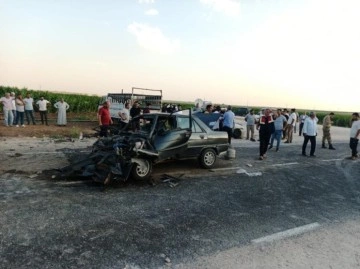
(241, 111)
(212, 119)
(143, 96)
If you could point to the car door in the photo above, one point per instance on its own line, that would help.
(171, 136)
(198, 139)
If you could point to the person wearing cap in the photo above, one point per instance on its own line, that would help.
(228, 123)
(354, 135)
(327, 121)
(6, 101)
(310, 132)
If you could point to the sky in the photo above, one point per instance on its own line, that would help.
(269, 53)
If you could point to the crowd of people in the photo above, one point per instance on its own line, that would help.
(280, 125)
(17, 109)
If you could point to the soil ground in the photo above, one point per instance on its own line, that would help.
(76, 124)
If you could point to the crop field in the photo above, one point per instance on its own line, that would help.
(81, 104)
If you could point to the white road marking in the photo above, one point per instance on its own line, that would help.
(287, 233)
(285, 164)
(331, 160)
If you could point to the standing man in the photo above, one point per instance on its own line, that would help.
(124, 115)
(228, 123)
(146, 110)
(29, 109)
(279, 122)
(310, 132)
(290, 126)
(266, 126)
(13, 107)
(135, 111)
(42, 104)
(7, 109)
(354, 135)
(104, 119)
(20, 110)
(209, 109)
(250, 125)
(302, 120)
(326, 130)
(61, 106)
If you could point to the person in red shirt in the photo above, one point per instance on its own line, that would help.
(104, 119)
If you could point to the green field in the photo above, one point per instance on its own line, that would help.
(82, 103)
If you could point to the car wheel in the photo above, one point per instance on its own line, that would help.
(207, 158)
(141, 170)
(237, 133)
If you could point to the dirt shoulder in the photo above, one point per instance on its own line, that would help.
(72, 129)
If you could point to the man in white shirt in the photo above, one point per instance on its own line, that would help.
(42, 104)
(290, 126)
(354, 135)
(29, 109)
(13, 105)
(124, 115)
(310, 132)
(7, 109)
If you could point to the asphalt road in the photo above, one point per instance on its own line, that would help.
(47, 223)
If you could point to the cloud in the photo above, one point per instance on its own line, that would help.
(228, 7)
(152, 12)
(146, 1)
(151, 38)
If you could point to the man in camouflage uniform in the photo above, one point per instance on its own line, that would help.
(326, 130)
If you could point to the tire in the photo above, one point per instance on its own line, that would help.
(207, 158)
(237, 133)
(141, 171)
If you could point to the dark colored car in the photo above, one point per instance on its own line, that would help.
(212, 120)
(158, 137)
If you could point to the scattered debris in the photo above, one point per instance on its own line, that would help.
(254, 174)
(249, 164)
(171, 180)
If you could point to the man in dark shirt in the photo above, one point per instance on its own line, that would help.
(266, 126)
(135, 111)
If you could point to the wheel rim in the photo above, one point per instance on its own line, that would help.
(142, 170)
(209, 158)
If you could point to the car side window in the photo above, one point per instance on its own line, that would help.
(183, 123)
(196, 128)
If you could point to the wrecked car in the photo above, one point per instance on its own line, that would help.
(149, 139)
